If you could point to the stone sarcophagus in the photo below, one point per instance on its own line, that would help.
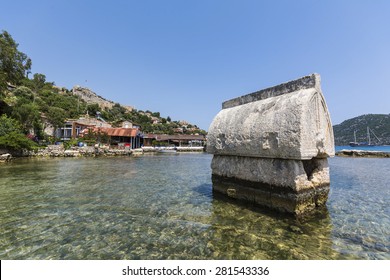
(271, 147)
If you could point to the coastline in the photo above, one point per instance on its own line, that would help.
(363, 153)
(89, 151)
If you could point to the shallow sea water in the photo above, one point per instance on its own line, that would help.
(162, 207)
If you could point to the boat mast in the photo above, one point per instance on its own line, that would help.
(379, 140)
(354, 134)
(368, 136)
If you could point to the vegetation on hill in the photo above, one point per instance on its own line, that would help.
(379, 124)
(28, 105)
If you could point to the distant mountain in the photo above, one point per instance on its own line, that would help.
(378, 123)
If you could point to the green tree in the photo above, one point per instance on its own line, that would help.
(116, 113)
(8, 125)
(14, 65)
(56, 116)
(11, 136)
(16, 141)
(39, 81)
(24, 94)
(93, 108)
(156, 114)
(28, 115)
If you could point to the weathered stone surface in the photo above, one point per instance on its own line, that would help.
(59, 151)
(5, 157)
(292, 125)
(92, 98)
(361, 153)
(277, 198)
(292, 186)
(271, 147)
(71, 153)
(308, 82)
(296, 175)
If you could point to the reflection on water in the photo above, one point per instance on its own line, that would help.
(162, 207)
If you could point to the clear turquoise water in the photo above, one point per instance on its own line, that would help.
(162, 207)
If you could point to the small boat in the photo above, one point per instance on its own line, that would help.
(167, 150)
(363, 144)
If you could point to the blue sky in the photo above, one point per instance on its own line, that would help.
(184, 58)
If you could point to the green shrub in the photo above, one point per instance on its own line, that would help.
(69, 144)
(16, 141)
(11, 136)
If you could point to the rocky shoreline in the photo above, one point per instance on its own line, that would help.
(361, 153)
(5, 157)
(60, 151)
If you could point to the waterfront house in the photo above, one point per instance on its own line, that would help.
(122, 137)
(72, 127)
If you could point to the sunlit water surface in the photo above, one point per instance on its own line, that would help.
(162, 207)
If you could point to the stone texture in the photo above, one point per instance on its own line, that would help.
(59, 151)
(5, 157)
(271, 147)
(362, 153)
(307, 82)
(92, 98)
(295, 125)
(296, 175)
(280, 199)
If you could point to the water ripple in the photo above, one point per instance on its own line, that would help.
(163, 207)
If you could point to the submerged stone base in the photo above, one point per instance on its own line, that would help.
(292, 186)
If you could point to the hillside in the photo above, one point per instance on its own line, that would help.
(115, 113)
(33, 106)
(91, 97)
(378, 123)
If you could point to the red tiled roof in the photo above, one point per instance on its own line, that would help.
(124, 132)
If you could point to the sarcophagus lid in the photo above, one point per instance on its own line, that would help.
(288, 121)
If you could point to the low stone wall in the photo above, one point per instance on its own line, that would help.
(59, 151)
(361, 153)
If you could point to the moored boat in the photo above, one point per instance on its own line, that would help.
(363, 144)
(167, 150)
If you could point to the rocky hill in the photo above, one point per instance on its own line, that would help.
(91, 97)
(379, 124)
(115, 113)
